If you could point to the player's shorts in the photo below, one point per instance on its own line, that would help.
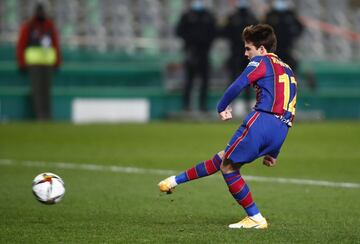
(260, 134)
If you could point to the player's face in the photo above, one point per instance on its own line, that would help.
(251, 51)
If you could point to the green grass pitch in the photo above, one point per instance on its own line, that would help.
(102, 206)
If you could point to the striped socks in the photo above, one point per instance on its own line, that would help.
(237, 186)
(202, 169)
(241, 192)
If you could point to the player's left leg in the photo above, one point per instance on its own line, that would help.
(241, 193)
(205, 168)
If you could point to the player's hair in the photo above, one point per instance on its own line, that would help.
(261, 35)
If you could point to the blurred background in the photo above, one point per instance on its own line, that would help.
(121, 60)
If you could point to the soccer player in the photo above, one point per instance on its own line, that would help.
(263, 131)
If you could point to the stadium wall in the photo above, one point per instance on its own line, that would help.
(334, 92)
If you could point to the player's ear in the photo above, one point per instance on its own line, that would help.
(262, 49)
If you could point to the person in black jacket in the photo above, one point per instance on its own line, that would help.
(288, 29)
(234, 25)
(197, 29)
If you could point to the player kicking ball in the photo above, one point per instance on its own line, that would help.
(262, 132)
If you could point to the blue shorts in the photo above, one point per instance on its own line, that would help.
(260, 134)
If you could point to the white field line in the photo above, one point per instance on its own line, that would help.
(133, 170)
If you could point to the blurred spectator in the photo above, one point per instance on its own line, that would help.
(232, 29)
(38, 54)
(287, 29)
(197, 28)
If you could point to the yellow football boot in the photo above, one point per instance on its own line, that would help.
(248, 223)
(167, 185)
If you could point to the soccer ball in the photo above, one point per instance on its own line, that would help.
(48, 188)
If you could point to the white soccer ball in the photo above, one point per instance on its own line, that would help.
(48, 188)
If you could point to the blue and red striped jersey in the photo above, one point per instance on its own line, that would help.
(275, 86)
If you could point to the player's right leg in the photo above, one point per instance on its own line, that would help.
(205, 168)
(241, 193)
(244, 148)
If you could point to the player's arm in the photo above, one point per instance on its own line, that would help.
(233, 91)
(254, 71)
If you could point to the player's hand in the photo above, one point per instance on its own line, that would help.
(269, 161)
(226, 114)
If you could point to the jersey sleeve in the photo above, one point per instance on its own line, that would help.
(255, 70)
(21, 45)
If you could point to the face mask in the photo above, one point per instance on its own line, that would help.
(243, 4)
(197, 5)
(281, 5)
(40, 18)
